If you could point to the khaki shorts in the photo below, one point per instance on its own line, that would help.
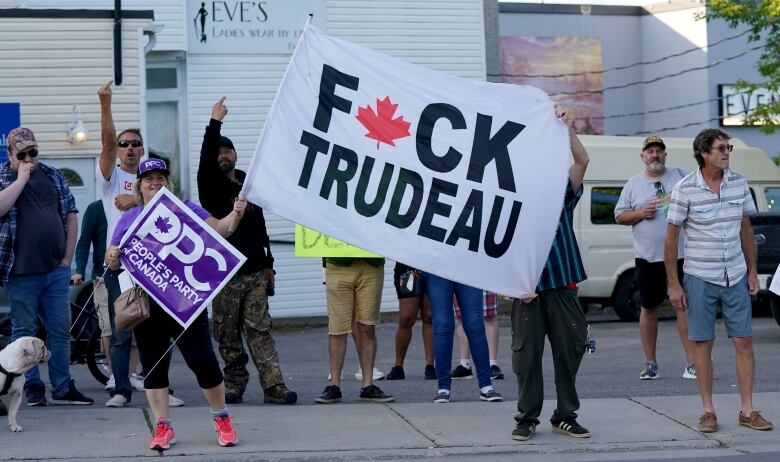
(100, 299)
(354, 289)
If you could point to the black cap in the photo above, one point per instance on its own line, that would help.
(225, 141)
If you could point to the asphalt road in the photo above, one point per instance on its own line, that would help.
(613, 371)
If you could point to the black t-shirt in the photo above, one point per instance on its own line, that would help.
(39, 245)
(217, 193)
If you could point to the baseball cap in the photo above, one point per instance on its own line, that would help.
(653, 139)
(225, 141)
(21, 138)
(149, 165)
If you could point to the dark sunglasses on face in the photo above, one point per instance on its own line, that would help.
(23, 154)
(133, 143)
(724, 147)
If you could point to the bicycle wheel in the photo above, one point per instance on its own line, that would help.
(96, 358)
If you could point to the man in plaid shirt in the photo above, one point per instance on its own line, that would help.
(38, 226)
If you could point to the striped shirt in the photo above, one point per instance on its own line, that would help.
(564, 264)
(712, 225)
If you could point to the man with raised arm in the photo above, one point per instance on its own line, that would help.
(116, 190)
(555, 311)
(242, 305)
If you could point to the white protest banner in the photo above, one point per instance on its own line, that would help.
(460, 178)
(179, 260)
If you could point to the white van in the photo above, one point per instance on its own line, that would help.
(607, 248)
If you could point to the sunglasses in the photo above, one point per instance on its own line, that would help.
(724, 147)
(659, 189)
(133, 143)
(23, 154)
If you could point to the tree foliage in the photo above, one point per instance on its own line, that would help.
(763, 19)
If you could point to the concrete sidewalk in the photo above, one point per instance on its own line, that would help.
(622, 429)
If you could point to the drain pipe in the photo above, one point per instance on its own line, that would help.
(118, 42)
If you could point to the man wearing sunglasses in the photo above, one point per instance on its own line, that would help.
(643, 203)
(116, 186)
(713, 205)
(38, 226)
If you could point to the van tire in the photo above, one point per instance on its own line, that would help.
(626, 299)
(774, 303)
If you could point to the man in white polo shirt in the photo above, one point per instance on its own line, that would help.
(712, 205)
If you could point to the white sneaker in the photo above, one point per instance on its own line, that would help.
(378, 375)
(137, 382)
(174, 401)
(689, 372)
(111, 383)
(117, 401)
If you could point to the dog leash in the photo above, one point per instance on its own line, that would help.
(82, 309)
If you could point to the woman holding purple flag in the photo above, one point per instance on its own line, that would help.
(154, 335)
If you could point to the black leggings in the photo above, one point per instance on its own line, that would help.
(154, 336)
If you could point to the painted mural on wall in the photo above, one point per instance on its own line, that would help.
(563, 67)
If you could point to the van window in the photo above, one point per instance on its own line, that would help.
(772, 198)
(602, 205)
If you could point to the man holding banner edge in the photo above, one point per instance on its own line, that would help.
(554, 310)
(242, 305)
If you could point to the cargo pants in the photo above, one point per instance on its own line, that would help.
(240, 311)
(558, 314)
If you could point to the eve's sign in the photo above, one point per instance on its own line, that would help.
(245, 26)
(735, 104)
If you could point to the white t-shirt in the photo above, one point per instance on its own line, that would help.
(649, 235)
(120, 182)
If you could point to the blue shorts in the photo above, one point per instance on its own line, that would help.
(703, 298)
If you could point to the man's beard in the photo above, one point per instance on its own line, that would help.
(226, 166)
(656, 167)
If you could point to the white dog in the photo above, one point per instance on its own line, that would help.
(15, 359)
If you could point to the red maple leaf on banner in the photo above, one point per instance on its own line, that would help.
(381, 125)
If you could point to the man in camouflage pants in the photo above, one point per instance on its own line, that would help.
(242, 305)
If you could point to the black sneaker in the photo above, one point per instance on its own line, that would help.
(279, 394)
(524, 430)
(461, 372)
(396, 373)
(441, 398)
(491, 395)
(570, 427)
(332, 394)
(375, 394)
(3, 409)
(430, 372)
(233, 397)
(73, 396)
(36, 395)
(495, 372)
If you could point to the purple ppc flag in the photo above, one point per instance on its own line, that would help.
(177, 258)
